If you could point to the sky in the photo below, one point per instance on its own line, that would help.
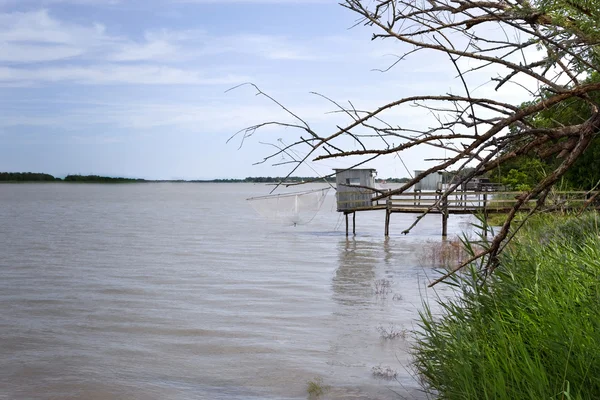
(139, 88)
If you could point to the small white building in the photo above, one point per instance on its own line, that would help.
(353, 188)
(430, 183)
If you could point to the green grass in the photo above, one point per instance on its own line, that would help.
(556, 216)
(315, 388)
(531, 330)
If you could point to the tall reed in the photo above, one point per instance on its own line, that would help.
(529, 331)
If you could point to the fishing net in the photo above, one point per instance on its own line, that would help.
(296, 208)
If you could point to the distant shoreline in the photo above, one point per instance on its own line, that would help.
(132, 181)
(36, 177)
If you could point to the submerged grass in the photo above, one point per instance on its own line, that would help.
(531, 331)
(443, 254)
(315, 388)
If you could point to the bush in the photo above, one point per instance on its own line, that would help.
(531, 331)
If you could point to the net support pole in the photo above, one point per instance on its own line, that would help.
(354, 223)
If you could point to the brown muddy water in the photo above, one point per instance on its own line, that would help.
(181, 291)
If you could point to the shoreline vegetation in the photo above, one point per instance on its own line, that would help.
(18, 177)
(528, 331)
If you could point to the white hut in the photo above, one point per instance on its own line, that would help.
(430, 183)
(353, 188)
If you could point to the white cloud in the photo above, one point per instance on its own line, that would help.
(97, 139)
(266, 46)
(39, 27)
(15, 120)
(50, 2)
(28, 53)
(154, 50)
(36, 36)
(117, 74)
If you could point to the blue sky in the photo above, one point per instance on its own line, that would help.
(138, 87)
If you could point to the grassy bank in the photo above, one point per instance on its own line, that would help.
(557, 216)
(531, 331)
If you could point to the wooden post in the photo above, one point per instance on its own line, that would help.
(485, 210)
(354, 223)
(485, 214)
(346, 214)
(445, 217)
(388, 211)
(387, 222)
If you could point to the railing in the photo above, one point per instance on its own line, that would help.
(466, 201)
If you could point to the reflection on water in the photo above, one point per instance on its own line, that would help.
(355, 274)
(179, 291)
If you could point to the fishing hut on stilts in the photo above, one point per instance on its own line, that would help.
(355, 189)
(356, 192)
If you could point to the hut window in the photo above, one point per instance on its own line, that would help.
(352, 181)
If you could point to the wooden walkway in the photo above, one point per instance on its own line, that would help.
(487, 202)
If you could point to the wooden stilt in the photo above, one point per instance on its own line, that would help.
(444, 224)
(354, 223)
(485, 215)
(346, 214)
(388, 212)
(445, 218)
(387, 223)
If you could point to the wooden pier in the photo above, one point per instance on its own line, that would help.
(485, 202)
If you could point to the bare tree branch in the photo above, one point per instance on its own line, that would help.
(482, 132)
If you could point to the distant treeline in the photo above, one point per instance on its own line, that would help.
(271, 179)
(295, 179)
(394, 180)
(40, 177)
(99, 179)
(26, 177)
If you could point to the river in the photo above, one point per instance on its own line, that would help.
(182, 291)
